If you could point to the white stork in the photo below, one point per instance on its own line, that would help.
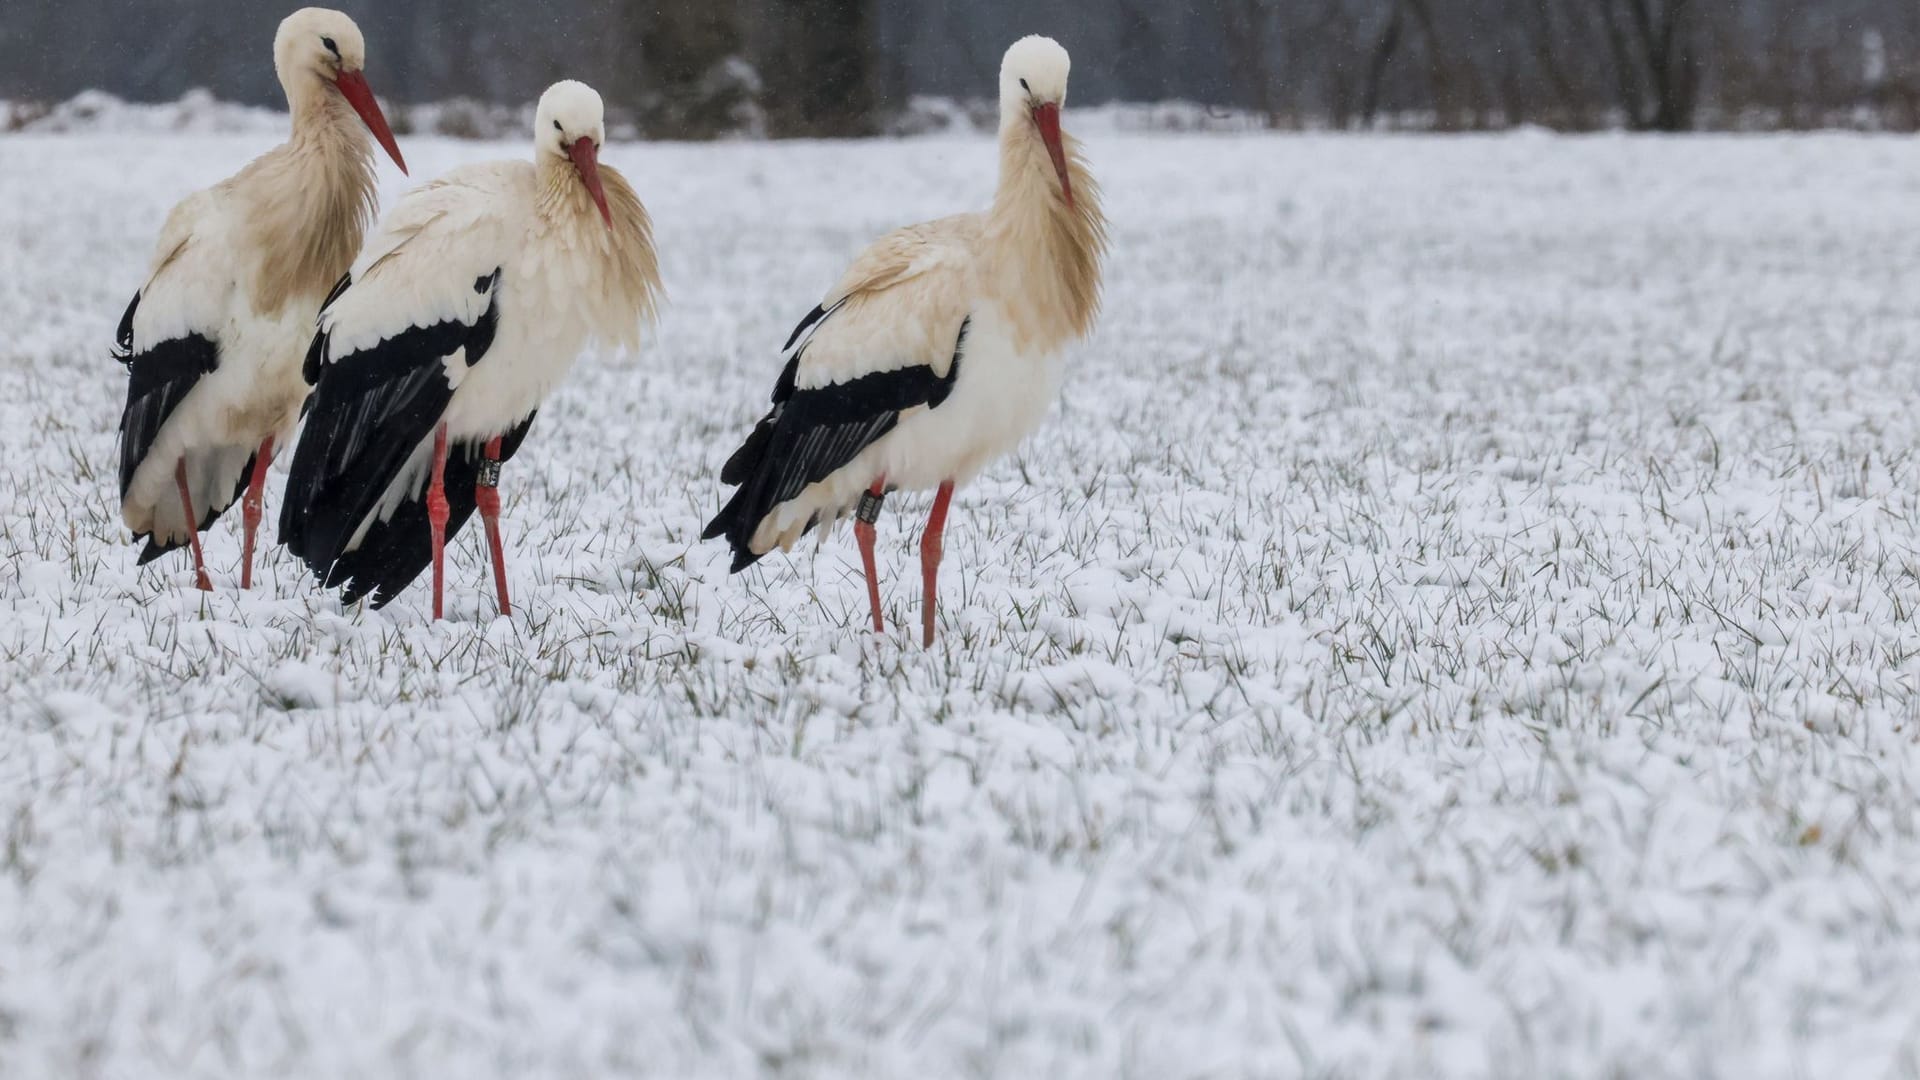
(213, 341)
(468, 305)
(937, 351)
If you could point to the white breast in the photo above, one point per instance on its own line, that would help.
(999, 398)
(527, 359)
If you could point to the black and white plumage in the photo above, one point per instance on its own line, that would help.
(213, 338)
(938, 350)
(366, 424)
(466, 308)
(158, 380)
(812, 433)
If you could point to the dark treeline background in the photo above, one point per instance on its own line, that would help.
(692, 68)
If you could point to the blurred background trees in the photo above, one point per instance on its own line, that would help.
(697, 68)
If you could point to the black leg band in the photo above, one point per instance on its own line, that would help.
(489, 473)
(869, 511)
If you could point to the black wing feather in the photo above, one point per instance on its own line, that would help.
(813, 318)
(123, 336)
(369, 411)
(316, 352)
(396, 551)
(811, 433)
(158, 380)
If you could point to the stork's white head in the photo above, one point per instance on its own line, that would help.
(571, 123)
(320, 40)
(1034, 72)
(324, 44)
(1033, 88)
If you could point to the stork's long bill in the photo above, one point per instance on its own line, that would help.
(353, 86)
(1047, 118)
(586, 159)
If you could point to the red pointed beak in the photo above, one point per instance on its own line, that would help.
(1047, 118)
(353, 86)
(586, 158)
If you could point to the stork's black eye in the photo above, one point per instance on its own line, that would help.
(331, 47)
(557, 127)
(1024, 86)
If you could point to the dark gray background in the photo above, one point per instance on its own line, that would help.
(824, 67)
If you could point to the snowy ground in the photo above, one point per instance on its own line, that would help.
(1459, 622)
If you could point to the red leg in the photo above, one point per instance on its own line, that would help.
(250, 509)
(487, 494)
(437, 513)
(930, 558)
(863, 532)
(193, 526)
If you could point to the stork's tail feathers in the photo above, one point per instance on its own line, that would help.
(733, 522)
(736, 520)
(746, 523)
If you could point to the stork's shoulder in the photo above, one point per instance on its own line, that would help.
(944, 247)
(434, 260)
(900, 306)
(199, 219)
(190, 285)
(482, 186)
(459, 219)
(483, 180)
(466, 193)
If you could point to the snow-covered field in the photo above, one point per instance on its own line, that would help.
(1459, 622)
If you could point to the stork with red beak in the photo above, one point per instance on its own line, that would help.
(467, 307)
(213, 341)
(937, 352)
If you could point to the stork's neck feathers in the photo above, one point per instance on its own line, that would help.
(1042, 256)
(619, 289)
(321, 113)
(306, 205)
